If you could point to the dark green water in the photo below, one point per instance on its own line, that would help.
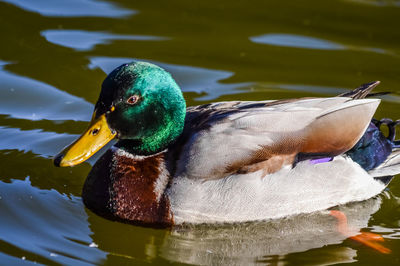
(54, 55)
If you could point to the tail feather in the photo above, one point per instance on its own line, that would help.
(362, 91)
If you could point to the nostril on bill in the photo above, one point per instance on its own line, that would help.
(57, 160)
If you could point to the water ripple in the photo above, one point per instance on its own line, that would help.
(35, 100)
(299, 41)
(81, 40)
(46, 223)
(72, 8)
(307, 42)
(39, 142)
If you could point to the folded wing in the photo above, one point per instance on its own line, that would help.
(239, 137)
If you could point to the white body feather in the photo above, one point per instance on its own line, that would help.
(303, 189)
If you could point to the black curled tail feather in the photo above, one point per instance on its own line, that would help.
(391, 125)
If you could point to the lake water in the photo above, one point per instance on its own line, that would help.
(55, 54)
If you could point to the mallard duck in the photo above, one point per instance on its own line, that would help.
(227, 161)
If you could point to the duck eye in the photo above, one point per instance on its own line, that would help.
(132, 100)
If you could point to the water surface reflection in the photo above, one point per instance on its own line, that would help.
(237, 244)
(291, 40)
(86, 40)
(72, 8)
(35, 100)
(45, 226)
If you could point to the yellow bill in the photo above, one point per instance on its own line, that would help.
(93, 139)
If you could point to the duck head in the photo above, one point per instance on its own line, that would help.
(141, 105)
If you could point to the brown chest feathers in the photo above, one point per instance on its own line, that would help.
(129, 189)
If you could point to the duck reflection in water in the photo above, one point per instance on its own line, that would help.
(241, 243)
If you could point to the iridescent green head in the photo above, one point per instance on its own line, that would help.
(141, 105)
(149, 109)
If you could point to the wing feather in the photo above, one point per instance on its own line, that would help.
(229, 137)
